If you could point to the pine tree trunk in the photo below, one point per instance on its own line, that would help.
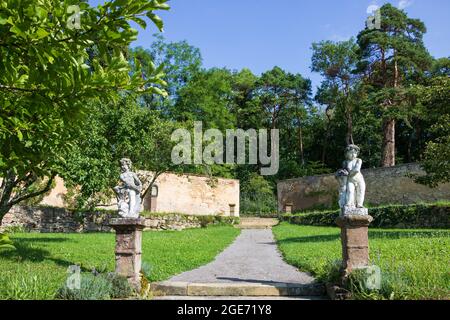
(388, 156)
(300, 145)
(349, 129)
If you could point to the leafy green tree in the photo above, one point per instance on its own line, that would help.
(111, 132)
(436, 156)
(392, 57)
(336, 62)
(53, 61)
(208, 97)
(283, 98)
(441, 67)
(179, 61)
(257, 197)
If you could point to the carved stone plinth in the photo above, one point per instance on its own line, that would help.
(354, 211)
(355, 241)
(129, 248)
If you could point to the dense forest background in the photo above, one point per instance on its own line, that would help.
(381, 90)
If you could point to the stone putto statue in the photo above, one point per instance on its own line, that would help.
(128, 192)
(352, 187)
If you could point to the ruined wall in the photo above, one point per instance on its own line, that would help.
(384, 186)
(52, 219)
(197, 195)
(188, 194)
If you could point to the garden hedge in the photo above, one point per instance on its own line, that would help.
(401, 217)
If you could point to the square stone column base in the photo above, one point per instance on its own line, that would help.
(355, 241)
(129, 248)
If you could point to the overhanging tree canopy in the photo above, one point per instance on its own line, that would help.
(54, 58)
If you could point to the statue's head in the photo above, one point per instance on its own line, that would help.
(352, 151)
(125, 164)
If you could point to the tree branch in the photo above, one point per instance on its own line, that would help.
(157, 174)
(11, 88)
(47, 188)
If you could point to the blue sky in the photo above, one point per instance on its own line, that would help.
(259, 34)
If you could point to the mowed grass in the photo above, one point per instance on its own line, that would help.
(415, 264)
(39, 265)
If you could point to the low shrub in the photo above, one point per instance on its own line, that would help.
(15, 229)
(396, 216)
(120, 288)
(92, 287)
(97, 286)
(204, 220)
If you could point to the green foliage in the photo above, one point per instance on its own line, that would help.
(112, 132)
(392, 58)
(92, 287)
(146, 270)
(216, 220)
(15, 286)
(206, 98)
(408, 216)
(205, 219)
(5, 242)
(437, 152)
(413, 263)
(257, 197)
(336, 62)
(35, 187)
(49, 72)
(120, 288)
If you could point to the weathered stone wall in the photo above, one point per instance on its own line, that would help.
(197, 195)
(384, 186)
(187, 194)
(53, 219)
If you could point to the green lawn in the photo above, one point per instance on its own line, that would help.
(38, 267)
(415, 264)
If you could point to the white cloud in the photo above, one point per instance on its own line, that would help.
(339, 37)
(372, 8)
(403, 4)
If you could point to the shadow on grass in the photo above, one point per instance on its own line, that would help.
(306, 239)
(263, 282)
(24, 253)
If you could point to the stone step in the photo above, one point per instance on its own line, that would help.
(257, 223)
(170, 288)
(234, 298)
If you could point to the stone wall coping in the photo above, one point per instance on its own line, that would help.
(187, 174)
(127, 222)
(404, 165)
(354, 221)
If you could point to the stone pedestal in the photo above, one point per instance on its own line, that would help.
(355, 241)
(129, 248)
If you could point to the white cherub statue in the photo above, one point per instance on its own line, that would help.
(129, 192)
(352, 187)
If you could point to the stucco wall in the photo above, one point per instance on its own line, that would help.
(188, 194)
(197, 195)
(384, 186)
